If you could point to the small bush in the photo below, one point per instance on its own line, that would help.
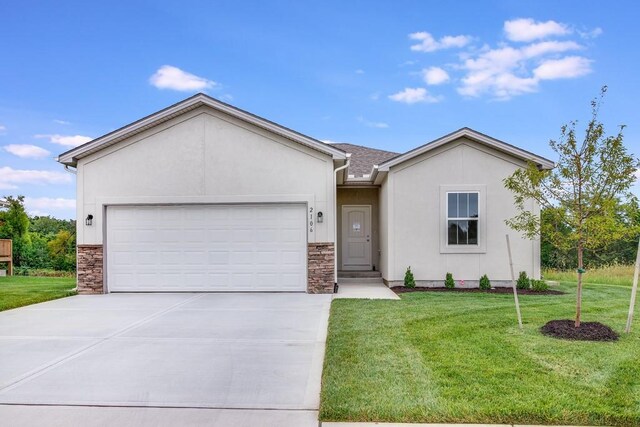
(448, 281)
(539, 285)
(523, 281)
(485, 283)
(409, 280)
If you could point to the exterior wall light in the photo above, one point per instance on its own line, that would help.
(319, 217)
(89, 220)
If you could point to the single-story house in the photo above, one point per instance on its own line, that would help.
(203, 196)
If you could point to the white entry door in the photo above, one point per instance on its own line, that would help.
(356, 237)
(206, 248)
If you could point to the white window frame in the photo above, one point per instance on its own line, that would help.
(481, 246)
(468, 218)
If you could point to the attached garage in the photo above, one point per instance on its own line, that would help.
(207, 248)
(205, 197)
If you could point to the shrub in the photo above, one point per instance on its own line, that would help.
(409, 280)
(523, 281)
(539, 285)
(485, 283)
(448, 281)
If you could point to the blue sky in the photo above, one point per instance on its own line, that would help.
(390, 75)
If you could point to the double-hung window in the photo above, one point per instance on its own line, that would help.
(462, 218)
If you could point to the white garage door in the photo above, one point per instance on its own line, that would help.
(206, 248)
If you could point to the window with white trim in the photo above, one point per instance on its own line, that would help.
(462, 218)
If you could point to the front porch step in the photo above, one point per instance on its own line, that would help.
(358, 274)
(360, 280)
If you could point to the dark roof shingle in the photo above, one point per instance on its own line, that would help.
(363, 158)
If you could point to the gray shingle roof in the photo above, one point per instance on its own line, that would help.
(363, 158)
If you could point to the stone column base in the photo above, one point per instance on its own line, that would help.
(320, 264)
(90, 264)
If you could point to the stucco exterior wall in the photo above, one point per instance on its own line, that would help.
(360, 196)
(412, 199)
(204, 156)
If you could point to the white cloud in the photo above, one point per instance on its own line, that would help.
(565, 68)
(2, 128)
(504, 72)
(435, 76)
(414, 95)
(26, 151)
(428, 44)
(359, 71)
(378, 125)
(591, 34)
(61, 122)
(544, 48)
(47, 203)
(10, 178)
(170, 77)
(526, 29)
(66, 140)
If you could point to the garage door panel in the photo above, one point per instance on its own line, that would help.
(206, 248)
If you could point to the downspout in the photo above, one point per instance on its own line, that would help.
(73, 171)
(335, 220)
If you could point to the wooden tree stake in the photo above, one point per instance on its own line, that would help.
(513, 284)
(634, 291)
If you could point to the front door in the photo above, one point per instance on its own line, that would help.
(356, 237)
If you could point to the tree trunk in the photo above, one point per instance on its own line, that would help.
(579, 291)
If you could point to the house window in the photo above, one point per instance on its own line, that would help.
(462, 218)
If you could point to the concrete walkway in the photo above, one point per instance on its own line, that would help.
(365, 290)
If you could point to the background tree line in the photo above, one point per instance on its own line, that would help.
(39, 242)
(620, 251)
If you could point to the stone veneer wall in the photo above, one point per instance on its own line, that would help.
(321, 259)
(90, 264)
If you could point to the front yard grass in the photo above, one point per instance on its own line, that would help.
(17, 291)
(460, 358)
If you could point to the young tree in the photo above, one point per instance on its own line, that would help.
(581, 193)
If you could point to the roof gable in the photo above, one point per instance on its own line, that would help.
(472, 135)
(70, 157)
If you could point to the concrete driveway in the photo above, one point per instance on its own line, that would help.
(231, 358)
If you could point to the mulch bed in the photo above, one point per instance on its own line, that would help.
(588, 331)
(404, 289)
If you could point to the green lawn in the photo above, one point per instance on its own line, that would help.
(16, 291)
(460, 358)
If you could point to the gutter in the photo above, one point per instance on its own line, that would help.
(335, 221)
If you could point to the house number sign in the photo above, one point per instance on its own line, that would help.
(310, 220)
